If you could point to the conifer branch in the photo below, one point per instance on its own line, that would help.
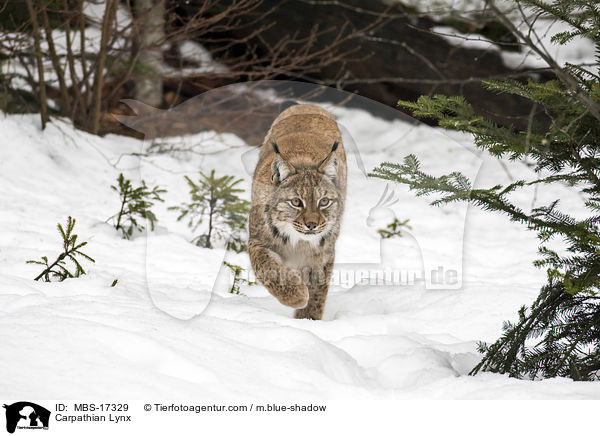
(71, 250)
(238, 280)
(559, 335)
(570, 82)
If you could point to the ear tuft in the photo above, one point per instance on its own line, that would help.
(275, 148)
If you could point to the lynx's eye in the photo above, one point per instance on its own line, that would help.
(296, 203)
(324, 203)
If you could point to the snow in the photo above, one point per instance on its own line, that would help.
(170, 329)
(93, 12)
(578, 51)
(199, 56)
(440, 9)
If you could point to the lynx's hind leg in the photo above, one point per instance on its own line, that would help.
(316, 305)
(318, 284)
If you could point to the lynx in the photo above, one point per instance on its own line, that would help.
(298, 195)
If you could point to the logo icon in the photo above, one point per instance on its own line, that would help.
(382, 214)
(26, 415)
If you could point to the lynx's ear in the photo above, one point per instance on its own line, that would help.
(329, 165)
(281, 168)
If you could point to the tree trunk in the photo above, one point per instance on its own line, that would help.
(40, 62)
(148, 37)
(96, 106)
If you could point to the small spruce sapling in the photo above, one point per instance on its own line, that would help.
(215, 202)
(238, 280)
(136, 204)
(71, 250)
(394, 229)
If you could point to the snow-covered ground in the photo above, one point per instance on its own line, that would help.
(579, 51)
(170, 329)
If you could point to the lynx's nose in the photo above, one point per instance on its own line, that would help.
(311, 225)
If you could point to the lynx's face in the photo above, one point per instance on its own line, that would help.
(305, 206)
(305, 203)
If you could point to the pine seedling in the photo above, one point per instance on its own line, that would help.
(59, 269)
(215, 202)
(136, 204)
(394, 229)
(238, 280)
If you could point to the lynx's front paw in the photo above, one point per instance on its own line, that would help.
(295, 296)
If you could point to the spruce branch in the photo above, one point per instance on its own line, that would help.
(394, 229)
(71, 250)
(569, 81)
(559, 334)
(238, 280)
